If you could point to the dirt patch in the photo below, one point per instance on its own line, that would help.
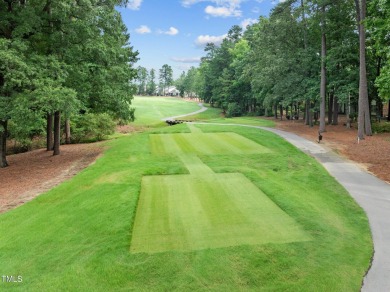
(36, 172)
(372, 153)
(127, 129)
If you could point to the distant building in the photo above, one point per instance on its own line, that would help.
(169, 91)
(172, 91)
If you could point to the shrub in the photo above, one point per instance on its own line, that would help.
(24, 135)
(381, 127)
(353, 117)
(91, 127)
(260, 112)
(233, 110)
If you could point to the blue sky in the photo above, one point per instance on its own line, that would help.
(174, 32)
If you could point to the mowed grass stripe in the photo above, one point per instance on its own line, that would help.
(204, 143)
(241, 143)
(85, 246)
(163, 144)
(194, 129)
(193, 212)
(194, 164)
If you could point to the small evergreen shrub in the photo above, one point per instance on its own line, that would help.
(383, 127)
(91, 127)
(25, 135)
(233, 110)
(260, 112)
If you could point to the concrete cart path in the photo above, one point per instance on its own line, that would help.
(202, 109)
(371, 193)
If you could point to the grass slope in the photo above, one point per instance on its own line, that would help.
(204, 209)
(149, 110)
(77, 236)
(191, 212)
(215, 143)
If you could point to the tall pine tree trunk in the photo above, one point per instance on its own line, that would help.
(3, 143)
(281, 112)
(330, 107)
(67, 131)
(276, 111)
(323, 73)
(349, 111)
(364, 122)
(49, 132)
(335, 120)
(311, 114)
(57, 133)
(307, 113)
(388, 110)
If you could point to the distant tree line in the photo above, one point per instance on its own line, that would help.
(146, 80)
(61, 59)
(307, 58)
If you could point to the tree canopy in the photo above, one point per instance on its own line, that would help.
(62, 57)
(306, 55)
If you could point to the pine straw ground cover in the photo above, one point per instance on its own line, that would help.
(372, 153)
(78, 236)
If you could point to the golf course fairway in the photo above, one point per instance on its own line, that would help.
(205, 209)
(190, 207)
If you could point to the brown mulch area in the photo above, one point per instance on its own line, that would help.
(372, 153)
(35, 172)
(32, 173)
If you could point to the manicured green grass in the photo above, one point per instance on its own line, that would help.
(215, 143)
(253, 121)
(192, 212)
(211, 113)
(204, 209)
(214, 115)
(149, 110)
(78, 236)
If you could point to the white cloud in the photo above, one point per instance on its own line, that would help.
(188, 3)
(172, 31)
(248, 21)
(221, 8)
(186, 60)
(203, 40)
(134, 4)
(223, 11)
(143, 29)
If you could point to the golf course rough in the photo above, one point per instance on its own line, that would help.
(203, 209)
(87, 244)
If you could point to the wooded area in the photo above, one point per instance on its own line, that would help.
(306, 56)
(61, 59)
(68, 60)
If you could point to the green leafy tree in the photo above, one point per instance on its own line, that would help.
(364, 119)
(142, 77)
(379, 26)
(151, 85)
(73, 55)
(180, 84)
(166, 77)
(190, 82)
(13, 80)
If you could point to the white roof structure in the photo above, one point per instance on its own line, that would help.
(172, 90)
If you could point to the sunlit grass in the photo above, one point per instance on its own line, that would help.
(77, 237)
(149, 110)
